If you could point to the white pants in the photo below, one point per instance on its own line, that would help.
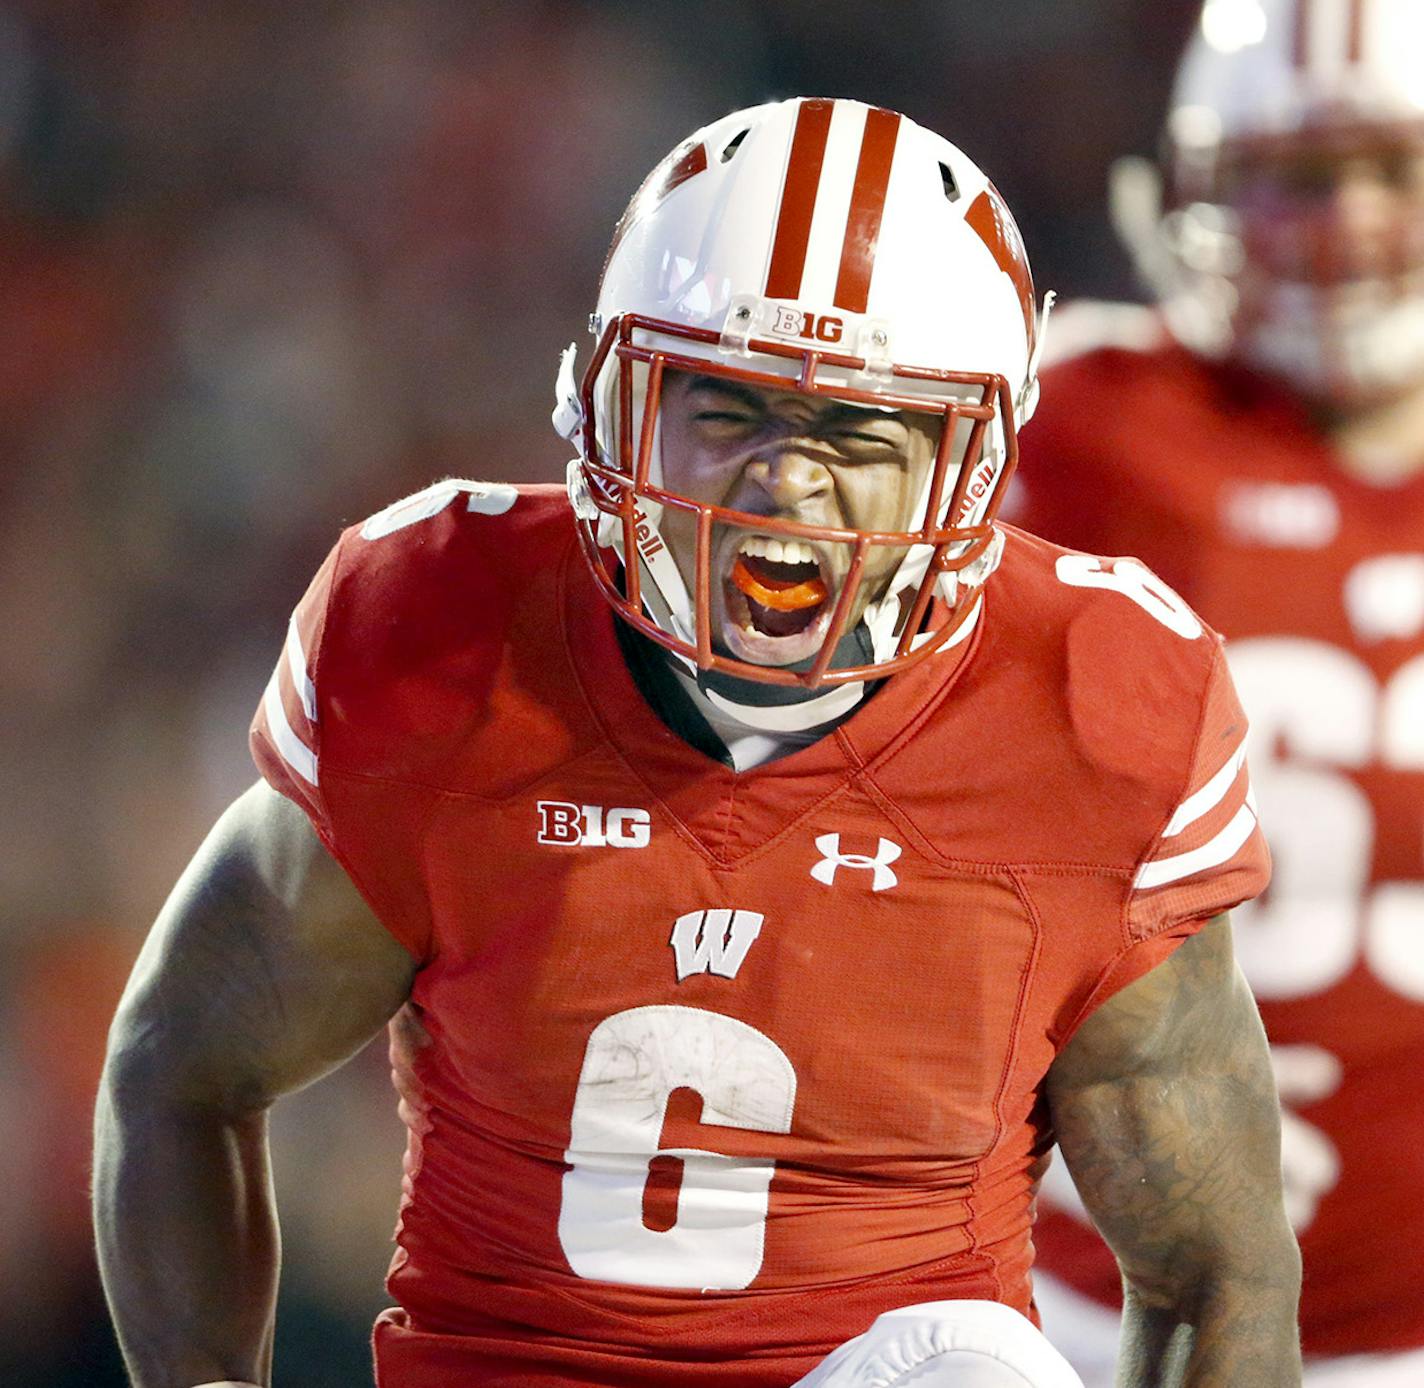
(1087, 1334)
(945, 1344)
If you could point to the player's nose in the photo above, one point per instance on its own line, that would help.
(790, 473)
(1359, 228)
(1363, 206)
(1362, 202)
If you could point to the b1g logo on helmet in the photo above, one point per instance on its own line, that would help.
(792, 322)
(592, 826)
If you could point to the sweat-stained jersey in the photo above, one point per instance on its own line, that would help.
(703, 1070)
(1222, 483)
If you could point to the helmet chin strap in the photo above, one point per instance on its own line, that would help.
(779, 708)
(812, 712)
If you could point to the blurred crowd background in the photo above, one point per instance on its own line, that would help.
(265, 267)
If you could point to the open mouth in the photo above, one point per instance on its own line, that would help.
(777, 600)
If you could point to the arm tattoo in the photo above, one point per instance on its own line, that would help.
(1165, 1109)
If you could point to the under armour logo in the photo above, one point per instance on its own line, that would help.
(832, 858)
(713, 941)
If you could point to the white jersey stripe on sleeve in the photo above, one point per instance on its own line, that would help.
(1212, 853)
(1203, 801)
(293, 750)
(297, 659)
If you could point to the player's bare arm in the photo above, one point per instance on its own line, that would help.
(1166, 1113)
(264, 970)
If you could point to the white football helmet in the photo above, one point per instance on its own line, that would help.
(946, 1344)
(1255, 251)
(830, 248)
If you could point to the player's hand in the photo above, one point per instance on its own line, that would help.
(1310, 1165)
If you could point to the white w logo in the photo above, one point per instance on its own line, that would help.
(713, 941)
(832, 858)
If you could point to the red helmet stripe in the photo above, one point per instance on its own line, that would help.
(1300, 39)
(798, 200)
(867, 205)
(1357, 31)
(672, 173)
(989, 218)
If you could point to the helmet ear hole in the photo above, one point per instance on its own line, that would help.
(733, 145)
(951, 184)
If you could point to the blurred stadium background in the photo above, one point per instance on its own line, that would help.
(265, 267)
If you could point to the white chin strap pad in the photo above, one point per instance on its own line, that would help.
(946, 1344)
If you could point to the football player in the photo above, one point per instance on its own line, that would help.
(753, 901)
(1260, 442)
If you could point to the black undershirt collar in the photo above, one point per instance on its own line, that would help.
(648, 664)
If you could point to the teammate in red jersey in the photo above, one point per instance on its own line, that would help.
(744, 952)
(1269, 462)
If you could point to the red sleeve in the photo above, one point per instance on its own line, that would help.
(311, 744)
(1134, 962)
(286, 731)
(1211, 854)
(1203, 852)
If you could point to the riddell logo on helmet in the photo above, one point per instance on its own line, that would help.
(649, 543)
(791, 322)
(980, 483)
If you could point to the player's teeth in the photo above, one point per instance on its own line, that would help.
(778, 551)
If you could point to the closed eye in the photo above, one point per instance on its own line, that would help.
(874, 442)
(726, 426)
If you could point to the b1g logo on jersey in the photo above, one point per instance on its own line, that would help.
(592, 826)
(792, 322)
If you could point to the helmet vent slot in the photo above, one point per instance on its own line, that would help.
(951, 186)
(734, 144)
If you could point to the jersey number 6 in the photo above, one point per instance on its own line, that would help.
(633, 1062)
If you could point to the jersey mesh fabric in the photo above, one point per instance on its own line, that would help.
(704, 1070)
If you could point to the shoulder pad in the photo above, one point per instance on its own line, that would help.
(1094, 325)
(426, 602)
(1134, 658)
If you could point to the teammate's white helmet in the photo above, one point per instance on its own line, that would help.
(946, 1344)
(1299, 91)
(828, 247)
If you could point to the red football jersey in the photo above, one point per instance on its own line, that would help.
(703, 1070)
(1225, 486)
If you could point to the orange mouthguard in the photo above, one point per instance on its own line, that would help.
(777, 595)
